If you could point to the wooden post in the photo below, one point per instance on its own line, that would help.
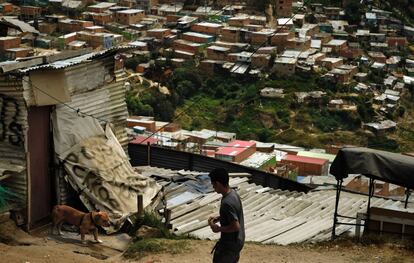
(407, 196)
(148, 154)
(335, 217)
(140, 204)
(167, 215)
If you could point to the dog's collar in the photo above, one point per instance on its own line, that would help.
(92, 219)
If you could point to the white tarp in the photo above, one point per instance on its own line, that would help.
(98, 168)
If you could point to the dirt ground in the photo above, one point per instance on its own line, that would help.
(24, 248)
(52, 251)
(257, 253)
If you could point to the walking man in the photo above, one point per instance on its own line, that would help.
(231, 228)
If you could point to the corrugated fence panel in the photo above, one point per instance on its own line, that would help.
(106, 103)
(138, 155)
(173, 159)
(13, 128)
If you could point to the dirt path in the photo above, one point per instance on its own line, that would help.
(51, 251)
(44, 248)
(256, 253)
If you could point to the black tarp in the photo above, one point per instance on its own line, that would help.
(380, 165)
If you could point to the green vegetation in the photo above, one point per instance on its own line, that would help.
(226, 103)
(168, 242)
(141, 248)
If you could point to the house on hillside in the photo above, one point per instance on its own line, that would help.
(236, 151)
(382, 127)
(284, 66)
(307, 165)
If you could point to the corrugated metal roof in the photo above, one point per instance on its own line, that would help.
(18, 24)
(303, 159)
(258, 159)
(271, 215)
(76, 60)
(326, 156)
(234, 148)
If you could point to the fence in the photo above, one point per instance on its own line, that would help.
(177, 160)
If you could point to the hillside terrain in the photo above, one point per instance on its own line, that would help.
(232, 104)
(223, 101)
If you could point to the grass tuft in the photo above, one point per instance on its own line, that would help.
(142, 247)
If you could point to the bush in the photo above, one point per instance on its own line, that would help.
(133, 62)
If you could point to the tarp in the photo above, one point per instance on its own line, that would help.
(98, 168)
(380, 165)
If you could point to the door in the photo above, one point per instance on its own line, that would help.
(39, 148)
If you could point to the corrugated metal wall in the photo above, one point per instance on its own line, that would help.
(13, 129)
(107, 103)
(96, 91)
(172, 159)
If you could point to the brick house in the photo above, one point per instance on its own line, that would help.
(260, 60)
(378, 57)
(298, 43)
(6, 8)
(307, 165)
(100, 7)
(30, 12)
(9, 42)
(187, 46)
(129, 16)
(217, 52)
(396, 42)
(337, 45)
(230, 34)
(260, 38)
(197, 37)
(210, 67)
(207, 28)
(283, 8)
(284, 66)
(236, 151)
(280, 40)
(330, 63)
(239, 21)
(18, 52)
(159, 33)
(69, 25)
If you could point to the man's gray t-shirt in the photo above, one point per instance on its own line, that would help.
(231, 209)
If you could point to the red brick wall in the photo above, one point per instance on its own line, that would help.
(214, 55)
(205, 29)
(396, 42)
(306, 168)
(245, 154)
(159, 34)
(184, 47)
(258, 39)
(9, 43)
(230, 36)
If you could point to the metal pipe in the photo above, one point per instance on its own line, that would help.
(407, 194)
(29, 194)
(370, 194)
(148, 154)
(338, 192)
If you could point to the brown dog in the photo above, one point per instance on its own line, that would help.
(85, 221)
